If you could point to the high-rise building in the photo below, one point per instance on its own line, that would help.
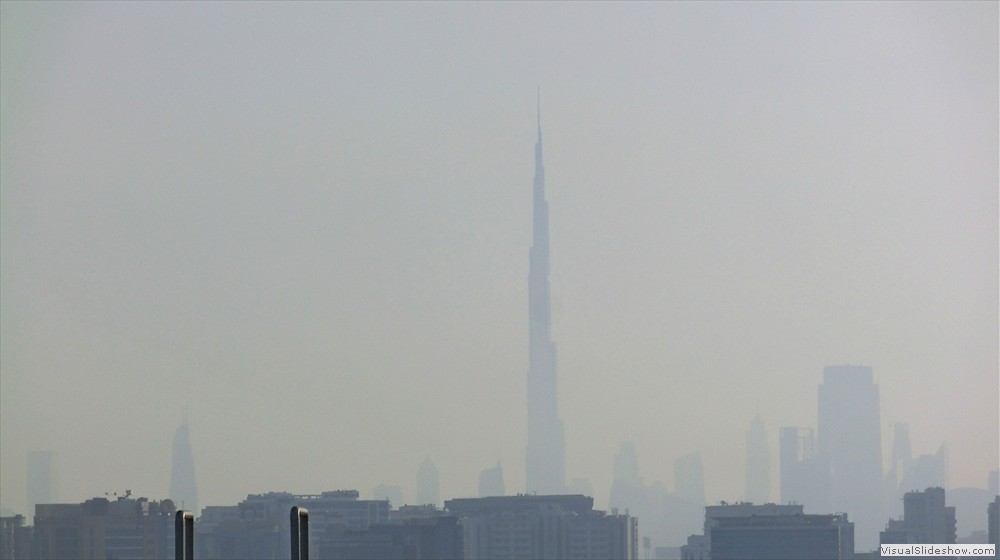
(926, 471)
(428, 483)
(689, 479)
(40, 478)
(682, 509)
(491, 482)
(545, 463)
(805, 476)
(183, 490)
(758, 463)
(629, 493)
(849, 435)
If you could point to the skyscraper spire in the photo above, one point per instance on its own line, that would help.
(538, 93)
(545, 455)
(183, 490)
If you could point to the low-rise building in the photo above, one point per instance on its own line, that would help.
(101, 528)
(542, 527)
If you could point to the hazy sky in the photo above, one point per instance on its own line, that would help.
(310, 223)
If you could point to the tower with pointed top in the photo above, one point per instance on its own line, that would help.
(545, 465)
(183, 490)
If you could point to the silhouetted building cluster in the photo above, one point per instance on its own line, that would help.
(667, 516)
(341, 526)
(257, 527)
(826, 474)
(15, 538)
(103, 528)
(838, 467)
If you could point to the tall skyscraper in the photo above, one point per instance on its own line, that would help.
(491, 482)
(758, 464)
(849, 434)
(689, 479)
(545, 463)
(428, 483)
(805, 476)
(40, 479)
(183, 490)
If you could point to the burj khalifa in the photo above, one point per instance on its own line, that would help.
(545, 462)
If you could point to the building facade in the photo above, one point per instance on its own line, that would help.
(15, 538)
(783, 537)
(258, 527)
(849, 436)
(427, 537)
(40, 478)
(428, 483)
(101, 528)
(758, 463)
(926, 520)
(542, 527)
(491, 482)
(804, 475)
(698, 547)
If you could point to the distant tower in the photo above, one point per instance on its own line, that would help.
(428, 484)
(389, 492)
(849, 435)
(689, 479)
(183, 490)
(545, 463)
(40, 479)
(627, 464)
(901, 452)
(491, 482)
(805, 476)
(758, 463)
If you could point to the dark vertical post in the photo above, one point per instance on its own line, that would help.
(188, 535)
(184, 535)
(179, 535)
(299, 526)
(304, 533)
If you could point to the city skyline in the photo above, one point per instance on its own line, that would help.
(317, 242)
